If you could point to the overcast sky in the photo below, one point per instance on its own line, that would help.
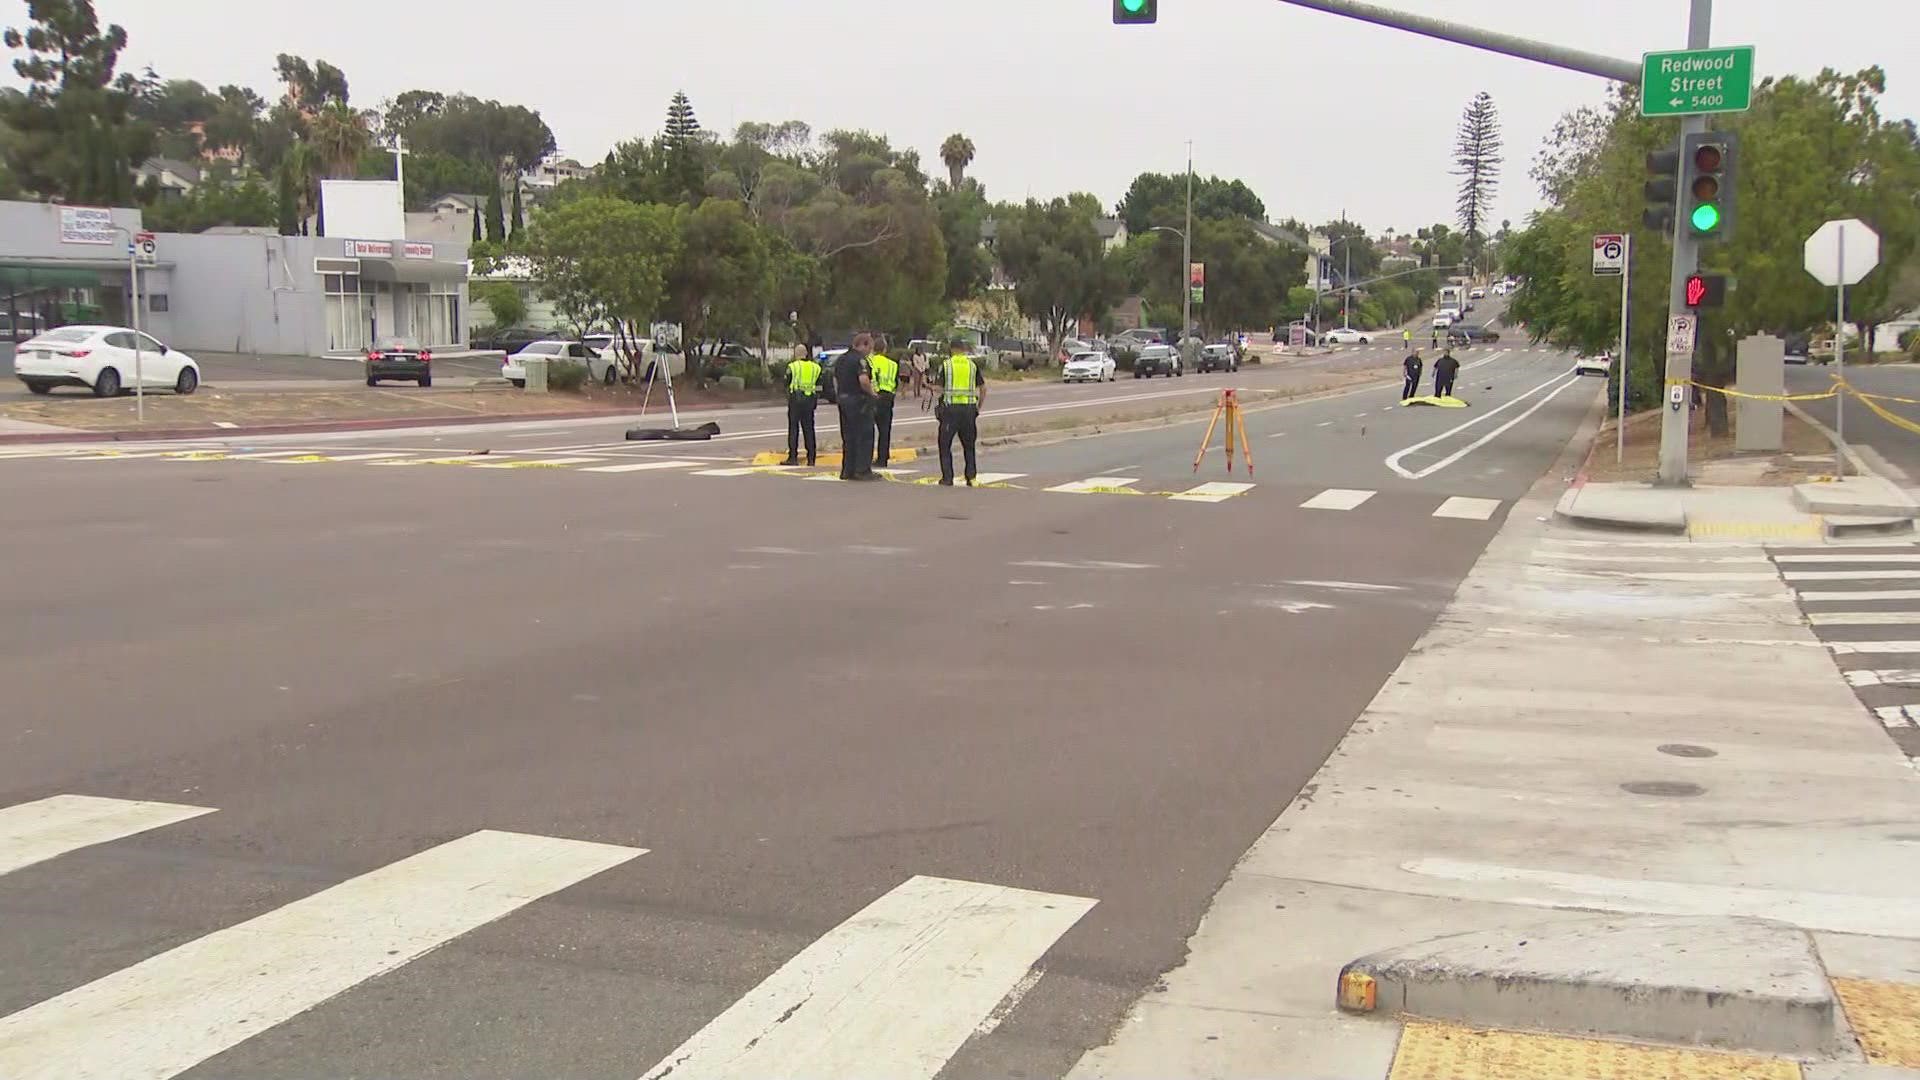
(1316, 112)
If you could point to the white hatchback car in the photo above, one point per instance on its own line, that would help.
(1090, 366)
(103, 359)
(1601, 365)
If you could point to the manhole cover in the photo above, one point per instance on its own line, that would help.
(1668, 789)
(1680, 749)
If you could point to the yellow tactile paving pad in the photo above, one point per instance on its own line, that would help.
(1444, 1052)
(1885, 1018)
(1755, 530)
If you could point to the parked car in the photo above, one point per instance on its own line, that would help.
(1467, 335)
(1217, 358)
(509, 340)
(1158, 360)
(104, 359)
(400, 358)
(1089, 366)
(22, 327)
(1476, 293)
(1601, 365)
(1346, 335)
(604, 357)
(513, 368)
(1137, 338)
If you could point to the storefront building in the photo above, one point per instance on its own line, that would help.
(242, 292)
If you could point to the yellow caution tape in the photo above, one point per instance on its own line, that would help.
(1729, 392)
(1890, 417)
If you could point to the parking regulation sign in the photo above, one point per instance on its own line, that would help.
(1610, 254)
(1680, 335)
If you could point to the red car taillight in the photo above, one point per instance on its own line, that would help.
(425, 356)
(79, 354)
(372, 356)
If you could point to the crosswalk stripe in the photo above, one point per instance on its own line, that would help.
(539, 463)
(997, 477)
(44, 829)
(1213, 491)
(1655, 560)
(168, 1013)
(1337, 499)
(1872, 648)
(1657, 575)
(115, 455)
(459, 459)
(1888, 677)
(1897, 716)
(1466, 509)
(644, 466)
(894, 991)
(364, 457)
(1847, 558)
(1847, 575)
(1097, 484)
(1863, 618)
(1882, 594)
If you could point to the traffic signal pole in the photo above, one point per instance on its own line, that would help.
(1686, 259)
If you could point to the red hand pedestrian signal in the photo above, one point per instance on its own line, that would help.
(1696, 290)
(1706, 290)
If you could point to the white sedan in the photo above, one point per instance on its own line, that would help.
(1601, 365)
(103, 359)
(1346, 335)
(1090, 367)
(514, 368)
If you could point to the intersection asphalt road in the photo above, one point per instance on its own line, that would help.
(1894, 445)
(418, 724)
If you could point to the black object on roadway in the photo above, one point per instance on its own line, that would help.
(693, 434)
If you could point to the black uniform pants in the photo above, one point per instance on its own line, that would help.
(1412, 387)
(1443, 383)
(883, 429)
(800, 409)
(856, 436)
(964, 421)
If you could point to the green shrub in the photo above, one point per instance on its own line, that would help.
(566, 376)
(747, 371)
(777, 374)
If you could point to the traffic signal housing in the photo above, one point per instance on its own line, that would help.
(1131, 12)
(1663, 168)
(1708, 159)
(1706, 290)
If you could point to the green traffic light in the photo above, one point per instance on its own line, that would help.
(1134, 7)
(1706, 218)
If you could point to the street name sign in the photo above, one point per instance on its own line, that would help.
(1692, 82)
(1610, 254)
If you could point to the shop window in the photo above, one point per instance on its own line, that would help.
(157, 302)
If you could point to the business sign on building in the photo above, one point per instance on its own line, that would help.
(418, 251)
(87, 225)
(369, 249)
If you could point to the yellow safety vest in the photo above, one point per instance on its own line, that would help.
(803, 377)
(958, 375)
(886, 373)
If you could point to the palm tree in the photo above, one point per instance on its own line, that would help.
(339, 136)
(957, 152)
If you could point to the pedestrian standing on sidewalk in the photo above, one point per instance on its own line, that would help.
(917, 372)
(803, 397)
(1444, 371)
(963, 388)
(886, 381)
(853, 388)
(1412, 365)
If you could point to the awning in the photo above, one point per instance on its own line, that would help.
(417, 271)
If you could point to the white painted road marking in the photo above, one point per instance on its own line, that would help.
(747, 471)
(1872, 648)
(46, 828)
(894, 991)
(1884, 677)
(997, 477)
(1096, 484)
(1466, 509)
(1652, 560)
(1337, 499)
(1633, 575)
(1214, 491)
(1897, 716)
(1847, 558)
(1863, 618)
(362, 457)
(1848, 575)
(642, 467)
(168, 1013)
(538, 463)
(1831, 597)
(1553, 388)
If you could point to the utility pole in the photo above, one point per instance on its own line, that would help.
(1186, 262)
(1686, 259)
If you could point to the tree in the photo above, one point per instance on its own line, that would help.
(957, 154)
(496, 214)
(721, 279)
(963, 212)
(1476, 159)
(235, 122)
(1161, 199)
(74, 133)
(219, 199)
(519, 210)
(489, 134)
(1054, 253)
(339, 136)
(1248, 278)
(503, 299)
(311, 86)
(605, 261)
(683, 148)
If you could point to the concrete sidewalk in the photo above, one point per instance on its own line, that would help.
(1629, 768)
(1855, 505)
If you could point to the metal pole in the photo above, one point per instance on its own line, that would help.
(1686, 259)
(1626, 293)
(139, 376)
(1346, 285)
(1840, 361)
(1606, 67)
(1186, 293)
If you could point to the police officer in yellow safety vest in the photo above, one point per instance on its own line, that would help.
(803, 396)
(963, 389)
(886, 380)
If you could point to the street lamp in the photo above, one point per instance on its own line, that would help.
(1186, 258)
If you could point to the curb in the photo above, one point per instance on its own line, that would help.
(1564, 512)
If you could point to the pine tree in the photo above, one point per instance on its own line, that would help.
(1476, 159)
(682, 141)
(519, 210)
(496, 215)
(477, 234)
